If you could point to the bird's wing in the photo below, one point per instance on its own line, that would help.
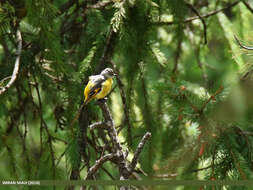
(94, 77)
(95, 84)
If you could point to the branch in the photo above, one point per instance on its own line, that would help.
(100, 5)
(201, 18)
(125, 105)
(44, 125)
(108, 50)
(221, 88)
(177, 56)
(241, 45)
(138, 151)
(116, 154)
(4, 79)
(17, 62)
(248, 6)
(96, 125)
(98, 164)
(110, 127)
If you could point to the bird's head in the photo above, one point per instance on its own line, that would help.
(108, 73)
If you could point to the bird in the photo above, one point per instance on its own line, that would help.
(99, 86)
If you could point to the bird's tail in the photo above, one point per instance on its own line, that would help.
(78, 113)
(86, 101)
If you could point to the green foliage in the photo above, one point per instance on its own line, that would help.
(6, 16)
(194, 98)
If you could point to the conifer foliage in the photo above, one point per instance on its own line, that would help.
(180, 105)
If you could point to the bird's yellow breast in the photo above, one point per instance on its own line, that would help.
(106, 88)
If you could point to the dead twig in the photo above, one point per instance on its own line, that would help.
(96, 125)
(248, 6)
(241, 45)
(201, 18)
(125, 105)
(98, 164)
(17, 63)
(116, 153)
(138, 151)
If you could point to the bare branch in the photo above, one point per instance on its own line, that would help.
(248, 6)
(4, 79)
(100, 5)
(110, 126)
(108, 49)
(201, 18)
(241, 45)
(117, 155)
(96, 125)
(98, 164)
(125, 105)
(138, 151)
(17, 62)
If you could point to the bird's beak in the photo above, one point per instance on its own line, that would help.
(114, 74)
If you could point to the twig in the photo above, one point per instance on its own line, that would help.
(117, 148)
(108, 49)
(98, 164)
(61, 156)
(200, 169)
(211, 98)
(125, 105)
(59, 139)
(138, 151)
(177, 56)
(248, 6)
(17, 62)
(108, 173)
(4, 79)
(241, 45)
(77, 115)
(116, 153)
(110, 126)
(100, 5)
(201, 18)
(44, 125)
(96, 125)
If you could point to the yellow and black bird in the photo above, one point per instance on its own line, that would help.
(99, 86)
